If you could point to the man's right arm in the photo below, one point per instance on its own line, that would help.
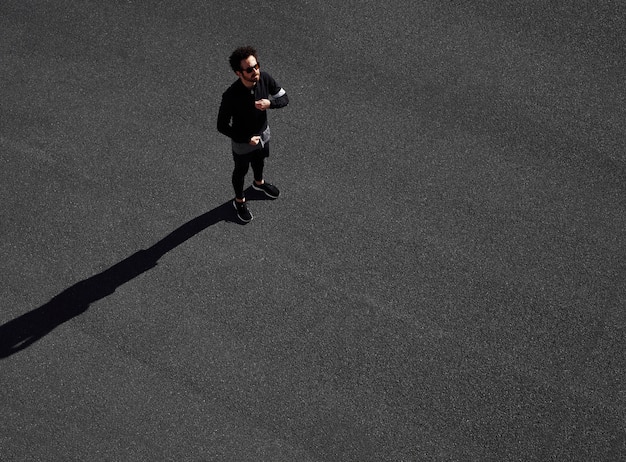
(224, 123)
(224, 117)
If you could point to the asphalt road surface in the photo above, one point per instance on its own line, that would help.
(442, 278)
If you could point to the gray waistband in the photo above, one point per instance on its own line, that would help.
(245, 148)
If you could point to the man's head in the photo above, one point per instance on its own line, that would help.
(244, 63)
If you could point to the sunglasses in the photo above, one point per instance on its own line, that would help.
(251, 69)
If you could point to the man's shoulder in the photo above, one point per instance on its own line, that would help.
(235, 88)
(266, 77)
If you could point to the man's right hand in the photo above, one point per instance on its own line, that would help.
(255, 140)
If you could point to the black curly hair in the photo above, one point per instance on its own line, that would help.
(240, 54)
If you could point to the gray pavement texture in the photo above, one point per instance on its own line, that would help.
(442, 278)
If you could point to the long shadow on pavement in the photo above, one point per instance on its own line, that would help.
(25, 330)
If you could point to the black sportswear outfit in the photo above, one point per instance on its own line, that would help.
(240, 120)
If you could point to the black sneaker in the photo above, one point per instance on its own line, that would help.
(269, 189)
(242, 211)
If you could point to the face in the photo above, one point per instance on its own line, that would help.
(250, 63)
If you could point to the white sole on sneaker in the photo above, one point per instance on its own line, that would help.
(239, 216)
(258, 188)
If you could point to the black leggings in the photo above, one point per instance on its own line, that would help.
(256, 159)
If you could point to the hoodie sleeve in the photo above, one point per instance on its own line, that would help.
(278, 96)
(224, 117)
(278, 100)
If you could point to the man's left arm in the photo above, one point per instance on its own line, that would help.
(277, 96)
(276, 101)
(279, 99)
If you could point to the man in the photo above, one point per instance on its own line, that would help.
(243, 118)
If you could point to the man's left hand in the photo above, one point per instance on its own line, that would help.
(262, 104)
